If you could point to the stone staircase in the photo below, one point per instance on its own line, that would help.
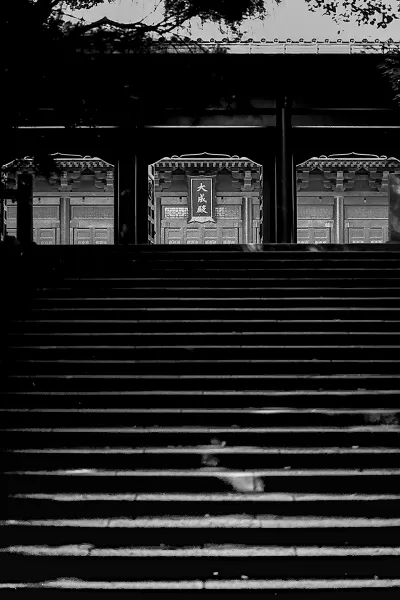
(195, 422)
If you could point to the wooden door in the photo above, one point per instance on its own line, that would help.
(68, 220)
(237, 221)
(316, 220)
(342, 220)
(46, 220)
(91, 220)
(366, 220)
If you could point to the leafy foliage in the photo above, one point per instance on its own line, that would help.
(215, 10)
(391, 69)
(379, 13)
(39, 65)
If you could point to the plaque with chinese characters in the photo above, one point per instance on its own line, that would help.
(201, 199)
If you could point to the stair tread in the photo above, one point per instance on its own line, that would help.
(334, 529)
(206, 429)
(112, 376)
(236, 273)
(216, 346)
(218, 309)
(213, 449)
(206, 393)
(203, 321)
(63, 334)
(217, 551)
(355, 523)
(180, 522)
(228, 411)
(207, 497)
(362, 297)
(343, 266)
(231, 584)
(209, 472)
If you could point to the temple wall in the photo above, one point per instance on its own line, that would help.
(74, 206)
(231, 216)
(344, 200)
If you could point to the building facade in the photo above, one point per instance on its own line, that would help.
(276, 102)
(74, 205)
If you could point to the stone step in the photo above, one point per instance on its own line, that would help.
(238, 522)
(114, 382)
(220, 283)
(250, 367)
(376, 588)
(301, 483)
(178, 533)
(19, 568)
(228, 326)
(225, 300)
(116, 457)
(258, 260)
(237, 274)
(200, 398)
(187, 354)
(210, 551)
(191, 299)
(180, 417)
(236, 251)
(208, 339)
(218, 313)
(262, 281)
(102, 505)
(359, 435)
(203, 480)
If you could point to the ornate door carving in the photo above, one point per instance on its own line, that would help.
(231, 215)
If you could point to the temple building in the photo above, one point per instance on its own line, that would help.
(210, 199)
(246, 111)
(74, 205)
(344, 199)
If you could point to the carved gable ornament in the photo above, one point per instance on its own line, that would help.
(245, 173)
(341, 172)
(205, 160)
(64, 171)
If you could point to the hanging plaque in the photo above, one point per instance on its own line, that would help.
(201, 199)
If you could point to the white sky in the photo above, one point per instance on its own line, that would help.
(291, 19)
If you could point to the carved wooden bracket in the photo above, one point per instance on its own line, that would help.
(303, 179)
(247, 182)
(330, 180)
(385, 182)
(74, 180)
(349, 180)
(110, 181)
(64, 184)
(375, 180)
(339, 187)
(163, 179)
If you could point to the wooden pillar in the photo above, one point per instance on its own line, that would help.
(124, 207)
(141, 189)
(394, 208)
(285, 191)
(25, 208)
(65, 217)
(3, 219)
(268, 209)
(247, 220)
